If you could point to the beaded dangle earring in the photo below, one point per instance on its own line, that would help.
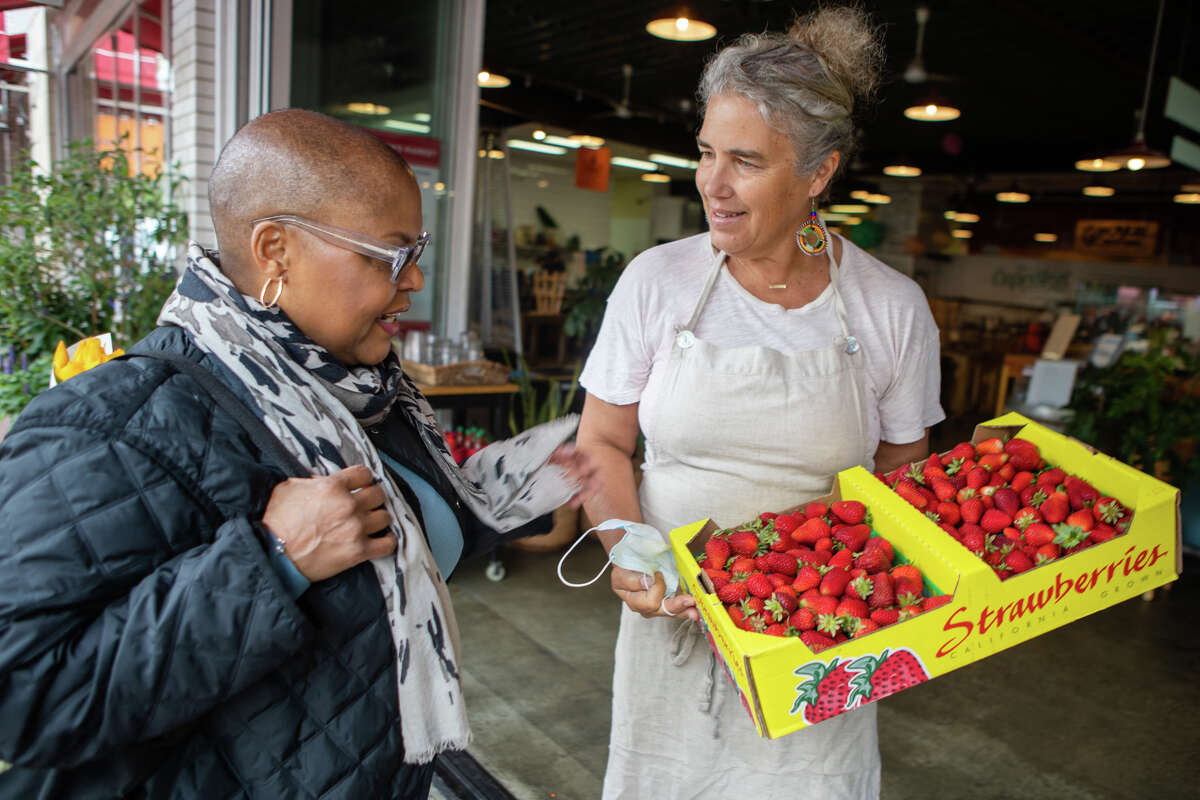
(812, 239)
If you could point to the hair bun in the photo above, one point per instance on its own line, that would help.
(849, 44)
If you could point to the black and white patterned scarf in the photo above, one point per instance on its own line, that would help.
(317, 407)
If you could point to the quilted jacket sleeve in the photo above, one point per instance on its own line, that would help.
(129, 606)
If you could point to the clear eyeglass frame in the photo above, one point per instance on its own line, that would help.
(401, 258)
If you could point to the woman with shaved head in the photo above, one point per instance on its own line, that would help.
(223, 558)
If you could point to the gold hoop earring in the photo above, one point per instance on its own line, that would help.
(262, 295)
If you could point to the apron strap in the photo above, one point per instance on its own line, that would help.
(718, 262)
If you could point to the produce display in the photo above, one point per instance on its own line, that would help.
(466, 442)
(819, 573)
(1005, 504)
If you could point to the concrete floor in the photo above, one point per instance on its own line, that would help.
(1106, 708)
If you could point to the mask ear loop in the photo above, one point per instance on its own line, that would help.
(645, 579)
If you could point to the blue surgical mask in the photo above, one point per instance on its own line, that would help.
(642, 549)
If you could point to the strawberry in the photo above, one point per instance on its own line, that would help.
(853, 536)
(930, 603)
(1068, 536)
(963, 451)
(816, 558)
(744, 542)
(911, 573)
(910, 611)
(993, 461)
(978, 477)
(1005, 473)
(827, 689)
(1047, 552)
(718, 551)
(803, 619)
(786, 523)
(1101, 533)
(833, 584)
(767, 516)
(885, 674)
(1033, 496)
(1017, 561)
(732, 592)
(781, 563)
(807, 577)
(842, 558)
(742, 564)
(754, 605)
(994, 520)
(989, 446)
(1082, 519)
(1107, 510)
(873, 560)
(759, 585)
(943, 489)
(1006, 500)
(776, 629)
(911, 494)
(760, 563)
(777, 580)
(829, 624)
(1026, 516)
(1051, 478)
(863, 626)
(882, 591)
(850, 512)
(1022, 453)
(852, 607)
(811, 531)
(774, 610)
(1055, 508)
(971, 510)
(886, 616)
(881, 543)
(738, 615)
(1012, 534)
(1020, 480)
(973, 538)
(719, 577)
(907, 591)
(821, 605)
(964, 494)
(859, 588)
(815, 509)
(1081, 493)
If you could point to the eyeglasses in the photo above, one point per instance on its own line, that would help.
(401, 258)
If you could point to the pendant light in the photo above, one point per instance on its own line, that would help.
(491, 80)
(1012, 195)
(1139, 155)
(679, 26)
(931, 107)
(902, 167)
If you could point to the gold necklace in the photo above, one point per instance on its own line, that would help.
(764, 280)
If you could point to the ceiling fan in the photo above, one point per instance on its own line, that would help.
(915, 72)
(623, 110)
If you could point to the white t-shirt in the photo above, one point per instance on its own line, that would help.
(885, 310)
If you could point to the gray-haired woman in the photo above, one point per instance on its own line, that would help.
(758, 359)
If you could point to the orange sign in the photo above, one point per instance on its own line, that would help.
(591, 168)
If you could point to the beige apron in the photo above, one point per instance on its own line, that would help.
(737, 431)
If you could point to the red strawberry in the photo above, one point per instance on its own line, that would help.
(885, 674)
(1006, 500)
(774, 611)
(803, 619)
(1020, 480)
(811, 531)
(732, 592)
(719, 577)
(821, 605)
(909, 572)
(1026, 516)
(1107, 510)
(742, 564)
(974, 538)
(777, 580)
(963, 451)
(994, 520)
(944, 489)
(1017, 561)
(1055, 508)
(993, 461)
(786, 523)
(863, 626)
(860, 588)
(825, 543)
(781, 563)
(852, 607)
(1051, 478)
(738, 615)
(912, 495)
(886, 616)
(833, 584)
(767, 516)
(744, 542)
(776, 629)
(760, 563)
(1069, 537)
(718, 551)
(754, 605)
(817, 642)
(850, 512)
(1047, 552)
(989, 446)
(842, 558)
(759, 585)
(978, 477)
(1102, 533)
(1081, 519)
(1011, 533)
(882, 543)
(930, 603)
(1022, 453)
(873, 559)
(807, 577)
(882, 591)
(829, 624)
(853, 536)
(971, 510)
(815, 509)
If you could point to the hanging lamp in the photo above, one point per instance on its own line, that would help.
(679, 26)
(1140, 155)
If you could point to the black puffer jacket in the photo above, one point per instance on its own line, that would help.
(147, 647)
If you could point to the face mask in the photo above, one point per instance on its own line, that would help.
(642, 549)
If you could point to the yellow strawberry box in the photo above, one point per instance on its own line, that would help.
(786, 687)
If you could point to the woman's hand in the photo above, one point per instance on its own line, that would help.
(581, 470)
(326, 523)
(649, 599)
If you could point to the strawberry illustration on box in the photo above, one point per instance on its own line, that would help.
(967, 604)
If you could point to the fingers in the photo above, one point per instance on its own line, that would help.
(355, 477)
(381, 546)
(377, 520)
(370, 498)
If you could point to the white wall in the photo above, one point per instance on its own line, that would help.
(193, 107)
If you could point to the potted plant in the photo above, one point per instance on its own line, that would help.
(585, 303)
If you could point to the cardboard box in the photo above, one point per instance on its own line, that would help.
(777, 678)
